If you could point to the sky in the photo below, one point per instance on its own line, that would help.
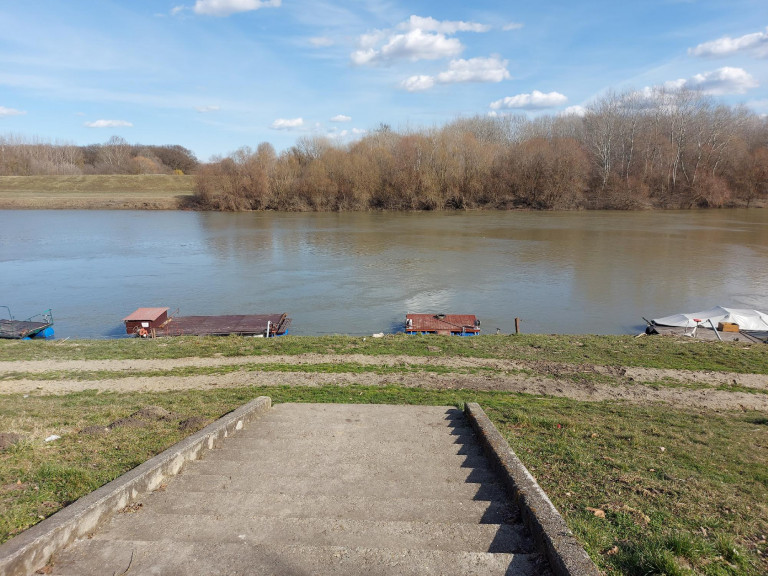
(216, 75)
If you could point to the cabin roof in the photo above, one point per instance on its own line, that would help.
(145, 315)
(431, 322)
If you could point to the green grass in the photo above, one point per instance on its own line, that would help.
(187, 371)
(98, 184)
(699, 506)
(650, 352)
(139, 191)
(674, 484)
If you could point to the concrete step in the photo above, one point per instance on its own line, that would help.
(390, 420)
(312, 422)
(446, 486)
(258, 439)
(388, 417)
(289, 449)
(173, 558)
(233, 504)
(347, 466)
(265, 530)
(338, 422)
(437, 416)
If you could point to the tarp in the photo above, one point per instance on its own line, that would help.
(746, 319)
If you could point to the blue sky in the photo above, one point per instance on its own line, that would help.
(216, 75)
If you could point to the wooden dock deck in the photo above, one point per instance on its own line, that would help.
(237, 324)
(155, 322)
(443, 324)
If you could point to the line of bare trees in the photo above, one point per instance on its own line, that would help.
(671, 149)
(655, 148)
(23, 156)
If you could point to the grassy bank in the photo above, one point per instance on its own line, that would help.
(650, 352)
(647, 488)
(103, 192)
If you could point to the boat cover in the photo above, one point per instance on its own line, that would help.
(746, 319)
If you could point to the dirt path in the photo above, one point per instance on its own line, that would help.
(544, 378)
(627, 374)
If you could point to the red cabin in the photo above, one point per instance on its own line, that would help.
(144, 320)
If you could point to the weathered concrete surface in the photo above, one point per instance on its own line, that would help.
(32, 548)
(324, 489)
(565, 555)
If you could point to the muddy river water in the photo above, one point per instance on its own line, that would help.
(360, 273)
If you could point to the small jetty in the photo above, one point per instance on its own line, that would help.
(443, 324)
(38, 326)
(155, 322)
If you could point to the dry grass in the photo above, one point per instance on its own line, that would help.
(102, 192)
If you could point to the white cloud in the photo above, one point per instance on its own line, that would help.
(321, 41)
(492, 69)
(418, 83)
(287, 123)
(725, 80)
(10, 112)
(512, 26)
(341, 118)
(413, 45)
(176, 10)
(204, 109)
(108, 124)
(445, 27)
(725, 46)
(574, 111)
(533, 101)
(418, 38)
(371, 39)
(227, 7)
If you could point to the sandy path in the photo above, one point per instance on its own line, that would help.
(627, 384)
(627, 374)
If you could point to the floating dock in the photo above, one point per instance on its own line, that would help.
(155, 322)
(26, 329)
(442, 324)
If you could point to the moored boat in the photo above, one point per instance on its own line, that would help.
(716, 323)
(37, 326)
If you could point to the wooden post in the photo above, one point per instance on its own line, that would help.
(517, 325)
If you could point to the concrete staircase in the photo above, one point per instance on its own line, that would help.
(323, 489)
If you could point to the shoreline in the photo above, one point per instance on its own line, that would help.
(176, 192)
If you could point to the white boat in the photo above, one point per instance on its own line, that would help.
(718, 319)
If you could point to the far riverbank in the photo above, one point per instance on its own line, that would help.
(127, 192)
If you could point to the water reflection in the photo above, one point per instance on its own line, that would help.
(596, 272)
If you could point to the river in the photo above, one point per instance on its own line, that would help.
(360, 273)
